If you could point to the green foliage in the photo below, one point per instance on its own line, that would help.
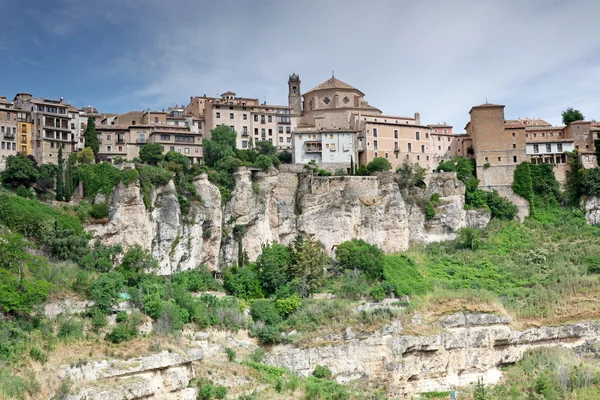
(360, 255)
(266, 311)
(38, 355)
(410, 175)
(178, 158)
(321, 389)
(593, 264)
(151, 153)
(91, 137)
(285, 157)
(105, 290)
(243, 282)
(86, 156)
(99, 211)
(100, 257)
(546, 189)
(196, 280)
(273, 264)
(575, 176)
(151, 177)
(322, 372)
(123, 331)
(401, 272)
(208, 391)
(353, 285)
(308, 263)
(231, 354)
(60, 182)
(522, 182)
(265, 147)
(429, 211)
(500, 207)
(98, 178)
(70, 330)
(220, 145)
(287, 306)
(479, 393)
(590, 182)
(468, 238)
(263, 162)
(135, 263)
(20, 170)
(570, 115)
(22, 191)
(70, 180)
(269, 335)
(129, 175)
(463, 167)
(98, 318)
(379, 164)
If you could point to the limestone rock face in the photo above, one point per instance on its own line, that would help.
(179, 242)
(274, 205)
(591, 206)
(471, 346)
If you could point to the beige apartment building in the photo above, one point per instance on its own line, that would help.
(251, 120)
(51, 127)
(8, 131)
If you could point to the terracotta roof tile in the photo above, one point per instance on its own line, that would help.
(333, 83)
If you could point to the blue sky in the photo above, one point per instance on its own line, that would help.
(437, 57)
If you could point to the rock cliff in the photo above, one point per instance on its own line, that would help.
(278, 205)
(468, 346)
(591, 206)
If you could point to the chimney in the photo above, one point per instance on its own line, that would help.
(418, 118)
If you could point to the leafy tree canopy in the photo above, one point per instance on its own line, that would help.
(20, 170)
(177, 158)
(570, 115)
(151, 153)
(85, 156)
(273, 264)
(360, 255)
(379, 164)
(91, 137)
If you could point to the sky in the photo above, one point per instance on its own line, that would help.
(435, 57)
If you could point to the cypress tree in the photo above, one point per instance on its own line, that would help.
(91, 137)
(70, 176)
(60, 183)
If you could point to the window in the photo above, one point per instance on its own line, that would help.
(289, 140)
(280, 139)
(218, 115)
(196, 149)
(270, 132)
(395, 133)
(386, 155)
(244, 144)
(245, 130)
(445, 130)
(23, 129)
(331, 136)
(281, 129)
(120, 148)
(427, 136)
(375, 145)
(244, 116)
(231, 128)
(262, 119)
(439, 139)
(536, 148)
(72, 125)
(422, 148)
(514, 146)
(108, 148)
(288, 129)
(440, 148)
(189, 139)
(559, 147)
(270, 119)
(165, 137)
(172, 148)
(156, 120)
(513, 134)
(262, 132)
(107, 137)
(187, 150)
(374, 132)
(499, 158)
(514, 158)
(8, 116)
(548, 148)
(417, 136)
(256, 131)
(230, 115)
(396, 146)
(256, 118)
(409, 147)
(375, 154)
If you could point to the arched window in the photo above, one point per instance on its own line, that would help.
(310, 104)
(294, 89)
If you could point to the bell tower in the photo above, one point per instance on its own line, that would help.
(294, 96)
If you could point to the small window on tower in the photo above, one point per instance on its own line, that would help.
(294, 89)
(346, 100)
(326, 100)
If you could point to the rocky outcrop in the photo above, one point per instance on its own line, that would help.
(179, 242)
(591, 206)
(278, 205)
(165, 375)
(471, 346)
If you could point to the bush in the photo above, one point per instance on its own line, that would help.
(401, 272)
(98, 318)
(360, 255)
(319, 389)
(196, 280)
(70, 330)
(20, 170)
(353, 285)
(38, 354)
(269, 335)
(288, 305)
(273, 264)
(123, 332)
(105, 290)
(22, 191)
(151, 153)
(429, 211)
(99, 211)
(258, 355)
(379, 164)
(500, 207)
(593, 264)
(265, 310)
(243, 282)
(129, 176)
(322, 372)
(231, 354)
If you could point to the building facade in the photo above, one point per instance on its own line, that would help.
(8, 131)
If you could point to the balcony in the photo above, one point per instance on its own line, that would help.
(396, 150)
(9, 135)
(245, 134)
(141, 141)
(314, 147)
(120, 140)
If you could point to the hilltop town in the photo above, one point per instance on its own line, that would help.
(331, 124)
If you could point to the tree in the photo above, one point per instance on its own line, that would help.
(309, 261)
(597, 150)
(220, 145)
(574, 177)
(410, 175)
(522, 183)
(151, 153)
(590, 183)
(379, 164)
(91, 137)
(351, 165)
(178, 158)
(70, 176)
(265, 147)
(273, 264)
(570, 115)
(85, 156)
(20, 170)
(285, 157)
(60, 181)
(360, 255)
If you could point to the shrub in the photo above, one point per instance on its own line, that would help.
(322, 372)
(273, 264)
(320, 389)
(468, 238)
(500, 207)
(99, 211)
(379, 164)
(263, 162)
(151, 153)
(288, 305)
(129, 175)
(38, 354)
(353, 285)
(360, 255)
(401, 272)
(121, 316)
(20, 170)
(69, 330)
(22, 191)
(231, 354)
(258, 355)
(243, 282)
(429, 211)
(196, 280)
(123, 332)
(265, 310)
(269, 335)
(593, 264)
(98, 318)
(178, 158)
(105, 290)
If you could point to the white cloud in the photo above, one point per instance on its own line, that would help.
(437, 57)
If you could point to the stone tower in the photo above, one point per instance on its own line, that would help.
(294, 96)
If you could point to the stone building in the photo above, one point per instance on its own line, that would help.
(251, 120)
(52, 127)
(8, 131)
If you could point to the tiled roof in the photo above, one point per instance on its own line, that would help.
(488, 105)
(544, 128)
(333, 83)
(514, 126)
